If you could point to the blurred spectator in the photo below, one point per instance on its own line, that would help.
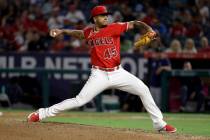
(19, 39)
(204, 45)
(160, 27)
(203, 6)
(206, 29)
(189, 46)
(150, 17)
(36, 21)
(126, 12)
(191, 89)
(183, 14)
(171, 19)
(177, 30)
(82, 48)
(117, 17)
(74, 14)
(56, 19)
(193, 30)
(14, 90)
(3, 42)
(25, 90)
(47, 7)
(126, 46)
(58, 44)
(131, 103)
(36, 42)
(175, 46)
(158, 64)
(75, 43)
(156, 45)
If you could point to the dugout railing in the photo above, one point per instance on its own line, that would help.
(44, 74)
(165, 77)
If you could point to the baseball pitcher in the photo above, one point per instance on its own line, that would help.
(106, 72)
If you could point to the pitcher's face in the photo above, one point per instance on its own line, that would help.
(101, 20)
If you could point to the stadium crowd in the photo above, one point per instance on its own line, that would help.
(183, 25)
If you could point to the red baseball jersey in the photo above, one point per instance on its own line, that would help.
(105, 44)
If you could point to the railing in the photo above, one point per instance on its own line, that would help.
(181, 73)
(45, 73)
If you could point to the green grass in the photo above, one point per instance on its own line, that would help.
(193, 124)
(107, 122)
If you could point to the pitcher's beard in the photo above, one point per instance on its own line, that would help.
(102, 26)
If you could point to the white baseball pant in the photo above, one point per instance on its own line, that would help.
(100, 80)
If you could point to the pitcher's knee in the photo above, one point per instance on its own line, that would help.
(144, 91)
(146, 88)
(80, 101)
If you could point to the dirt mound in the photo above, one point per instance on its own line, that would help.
(14, 127)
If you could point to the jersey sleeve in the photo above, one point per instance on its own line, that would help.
(86, 31)
(119, 28)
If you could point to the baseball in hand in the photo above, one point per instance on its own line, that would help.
(53, 32)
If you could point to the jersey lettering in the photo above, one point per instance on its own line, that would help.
(110, 53)
(101, 41)
(105, 44)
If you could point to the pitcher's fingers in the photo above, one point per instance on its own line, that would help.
(53, 32)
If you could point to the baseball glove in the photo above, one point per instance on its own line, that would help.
(145, 39)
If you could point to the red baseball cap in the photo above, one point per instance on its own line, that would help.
(99, 10)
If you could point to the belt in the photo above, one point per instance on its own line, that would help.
(106, 69)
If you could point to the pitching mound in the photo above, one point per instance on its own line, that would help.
(14, 127)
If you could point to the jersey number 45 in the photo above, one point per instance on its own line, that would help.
(110, 52)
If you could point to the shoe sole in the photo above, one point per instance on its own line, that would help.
(172, 131)
(167, 131)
